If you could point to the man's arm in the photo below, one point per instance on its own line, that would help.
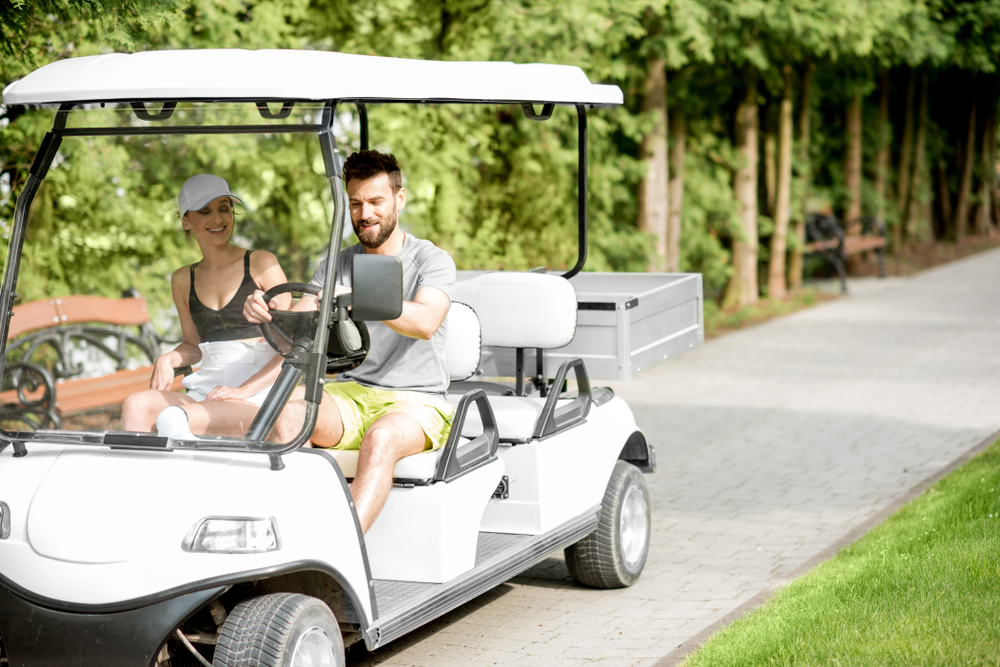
(422, 316)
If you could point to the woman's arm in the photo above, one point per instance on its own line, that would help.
(267, 273)
(187, 352)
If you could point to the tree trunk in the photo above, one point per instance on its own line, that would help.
(984, 211)
(742, 289)
(991, 174)
(944, 200)
(678, 147)
(805, 176)
(852, 174)
(770, 161)
(917, 182)
(905, 168)
(654, 203)
(776, 286)
(961, 221)
(884, 142)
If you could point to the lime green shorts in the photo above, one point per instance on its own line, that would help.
(361, 406)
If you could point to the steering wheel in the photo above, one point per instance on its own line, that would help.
(347, 342)
(288, 329)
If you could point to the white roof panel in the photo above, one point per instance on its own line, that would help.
(233, 74)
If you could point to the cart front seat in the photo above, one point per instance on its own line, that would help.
(463, 354)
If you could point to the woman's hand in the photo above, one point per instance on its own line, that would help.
(221, 393)
(163, 374)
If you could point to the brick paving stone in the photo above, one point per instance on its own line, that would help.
(772, 443)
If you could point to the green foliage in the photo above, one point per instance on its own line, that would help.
(494, 188)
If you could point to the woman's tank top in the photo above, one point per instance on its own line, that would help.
(228, 322)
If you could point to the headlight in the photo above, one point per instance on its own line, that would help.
(233, 535)
(4, 521)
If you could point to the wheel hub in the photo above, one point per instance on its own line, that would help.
(314, 649)
(633, 527)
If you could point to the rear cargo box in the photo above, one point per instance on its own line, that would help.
(626, 323)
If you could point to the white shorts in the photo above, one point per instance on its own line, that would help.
(229, 364)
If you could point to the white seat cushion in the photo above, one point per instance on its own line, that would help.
(464, 342)
(516, 416)
(418, 466)
(521, 309)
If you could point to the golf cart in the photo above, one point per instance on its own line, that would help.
(124, 548)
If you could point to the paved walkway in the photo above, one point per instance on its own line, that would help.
(772, 444)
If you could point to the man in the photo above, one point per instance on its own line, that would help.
(393, 404)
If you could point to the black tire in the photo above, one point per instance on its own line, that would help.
(614, 554)
(278, 630)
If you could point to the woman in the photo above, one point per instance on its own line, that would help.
(237, 366)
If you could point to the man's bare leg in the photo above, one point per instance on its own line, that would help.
(329, 425)
(389, 439)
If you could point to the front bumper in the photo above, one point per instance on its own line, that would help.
(35, 635)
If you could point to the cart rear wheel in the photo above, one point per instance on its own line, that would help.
(280, 630)
(614, 554)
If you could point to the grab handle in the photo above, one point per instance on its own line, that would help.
(555, 418)
(459, 459)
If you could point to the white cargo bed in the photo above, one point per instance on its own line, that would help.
(626, 323)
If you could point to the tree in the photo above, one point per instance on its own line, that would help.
(742, 289)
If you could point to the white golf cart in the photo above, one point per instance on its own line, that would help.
(123, 548)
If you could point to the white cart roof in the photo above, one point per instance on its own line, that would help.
(232, 74)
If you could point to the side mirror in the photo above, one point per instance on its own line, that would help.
(377, 292)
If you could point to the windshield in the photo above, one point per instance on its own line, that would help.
(107, 253)
(105, 224)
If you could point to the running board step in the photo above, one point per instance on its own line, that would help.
(506, 557)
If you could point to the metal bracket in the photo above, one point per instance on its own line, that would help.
(503, 489)
(165, 112)
(529, 111)
(266, 113)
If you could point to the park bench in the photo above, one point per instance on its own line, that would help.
(825, 237)
(73, 354)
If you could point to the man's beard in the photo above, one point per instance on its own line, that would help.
(370, 239)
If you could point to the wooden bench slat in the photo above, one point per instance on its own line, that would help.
(819, 246)
(76, 309)
(856, 244)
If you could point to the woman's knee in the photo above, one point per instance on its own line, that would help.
(138, 409)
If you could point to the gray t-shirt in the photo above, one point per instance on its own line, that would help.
(396, 361)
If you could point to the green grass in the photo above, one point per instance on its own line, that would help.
(923, 588)
(719, 322)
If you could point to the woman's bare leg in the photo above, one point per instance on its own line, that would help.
(228, 418)
(139, 410)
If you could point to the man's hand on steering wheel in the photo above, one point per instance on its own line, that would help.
(256, 308)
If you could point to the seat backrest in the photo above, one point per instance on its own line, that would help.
(521, 310)
(465, 342)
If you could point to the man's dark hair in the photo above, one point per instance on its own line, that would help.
(369, 164)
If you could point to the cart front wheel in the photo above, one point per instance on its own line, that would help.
(280, 630)
(614, 554)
